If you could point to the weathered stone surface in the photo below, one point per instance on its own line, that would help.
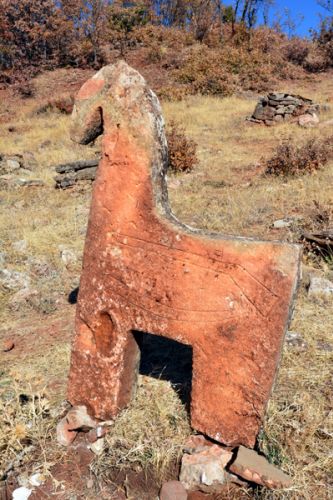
(8, 345)
(255, 468)
(65, 435)
(70, 173)
(277, 96)
(75, 166)
(263, 112)
(282, 223)
(173, 490)
(320, 287)
(76, 419)
(67, 256)
(94, 434)
(12, 165)
(64, 182)
(227, 297)
(97, 447)
(197, 443)
(273, 103)
(12, 280)
(290, 109)
(205, 468)
(19, 164)
(295, 340)
(279, 111)
(87, 174)
(308, 120)
(21, 493)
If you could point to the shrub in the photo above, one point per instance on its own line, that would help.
(26, 90)
(292, 159)
(324, 39)
(316, 60)
(63, 104)
(171, 37)
(297, 50)
(182, 150)
(221, 69)
(203, 72)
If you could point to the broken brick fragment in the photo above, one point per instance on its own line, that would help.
(256, 468)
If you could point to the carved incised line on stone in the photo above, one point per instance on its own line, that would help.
(229, 298)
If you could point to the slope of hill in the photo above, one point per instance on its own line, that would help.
(43, 233)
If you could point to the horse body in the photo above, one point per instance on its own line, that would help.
(229, 298)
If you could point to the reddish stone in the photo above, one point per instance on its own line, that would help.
(8, 345)
(173, 490)
(90, 88)
(78, 418)
(255, 468)
(205, 469)
(198, 495)
(196, 443)
(65, 436)
(94, 434)
(227, 297)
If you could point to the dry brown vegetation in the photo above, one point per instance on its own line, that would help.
(225, 192)
(296, 159)
(182, 150)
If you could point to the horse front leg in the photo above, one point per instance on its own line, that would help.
(104, 366)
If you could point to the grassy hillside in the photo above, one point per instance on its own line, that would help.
(227, 192)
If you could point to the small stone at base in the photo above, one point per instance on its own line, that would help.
(255, 468)
(173, 490)
(8, 345)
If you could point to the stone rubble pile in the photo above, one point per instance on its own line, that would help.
(70, 173)
(209, 467)
(206, 466)
(281, 107)
(18, 170)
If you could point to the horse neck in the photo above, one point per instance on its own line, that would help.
(125, 178)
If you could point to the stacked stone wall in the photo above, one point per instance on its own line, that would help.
(279, 107)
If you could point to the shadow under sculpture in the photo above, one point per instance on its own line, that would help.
(229, 298)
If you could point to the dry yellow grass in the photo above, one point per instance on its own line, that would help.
(149, 434)
(221, 194)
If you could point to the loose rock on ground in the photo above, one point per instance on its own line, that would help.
(320, 288)
(255, 468)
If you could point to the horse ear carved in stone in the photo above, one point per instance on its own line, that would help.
(229, 298)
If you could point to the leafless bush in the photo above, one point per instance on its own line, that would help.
(292, 159)
(296, 50)
(182, 150)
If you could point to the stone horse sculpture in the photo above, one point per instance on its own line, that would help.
(227, 297)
